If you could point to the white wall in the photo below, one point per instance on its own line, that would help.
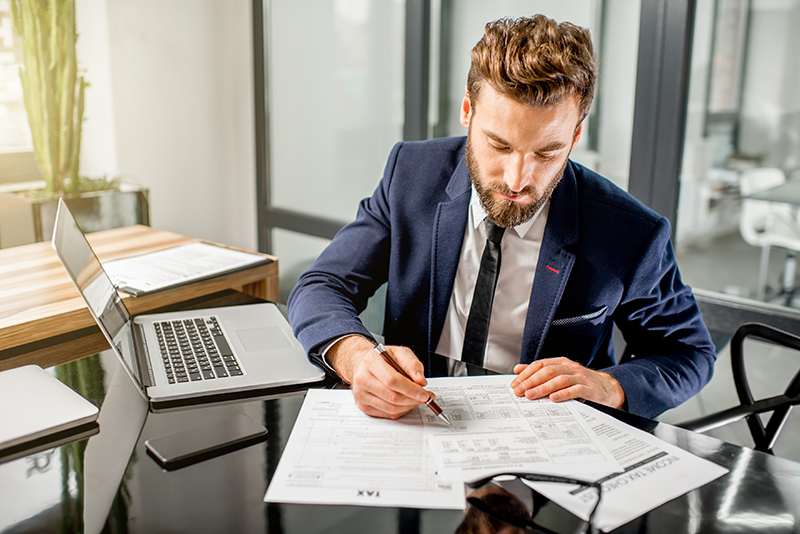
(99, 143)
(171, 107)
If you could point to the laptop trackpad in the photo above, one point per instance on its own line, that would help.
(263, 338)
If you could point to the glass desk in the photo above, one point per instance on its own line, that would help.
(107, 482)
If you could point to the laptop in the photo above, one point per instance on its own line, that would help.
(182, 359)
(38, 411)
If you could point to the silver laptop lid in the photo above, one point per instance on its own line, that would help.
(95, 287)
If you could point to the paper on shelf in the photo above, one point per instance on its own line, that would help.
(153, 271)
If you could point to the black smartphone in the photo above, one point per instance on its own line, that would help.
(198, 444)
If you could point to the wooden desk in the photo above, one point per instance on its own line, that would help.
(40, 309)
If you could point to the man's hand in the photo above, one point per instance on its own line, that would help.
(379, 390)
(562, 379)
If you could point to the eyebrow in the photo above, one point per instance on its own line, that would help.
(555, 145)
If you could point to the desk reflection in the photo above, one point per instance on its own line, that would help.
(110, 454)
(500, 505)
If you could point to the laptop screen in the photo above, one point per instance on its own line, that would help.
(94, 285)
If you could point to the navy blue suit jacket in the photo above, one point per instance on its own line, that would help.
(605, 258)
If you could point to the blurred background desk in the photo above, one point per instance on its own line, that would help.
(41, 311)
(788, 192)
(769, 219)
(108, 482)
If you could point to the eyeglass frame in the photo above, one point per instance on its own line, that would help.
(586, 525)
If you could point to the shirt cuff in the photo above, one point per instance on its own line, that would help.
(323, 351)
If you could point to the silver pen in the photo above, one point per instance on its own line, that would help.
(431, 403)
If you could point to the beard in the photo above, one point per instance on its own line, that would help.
(504, 212)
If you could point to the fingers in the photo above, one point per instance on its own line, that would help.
(381, 391)
(410, 363)
(562, 379)
(537, 373)
(524, 372)
(395, 382)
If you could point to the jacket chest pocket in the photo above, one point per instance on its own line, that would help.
(572, 325)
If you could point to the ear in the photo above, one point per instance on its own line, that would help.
(466, 109)
(578, 132)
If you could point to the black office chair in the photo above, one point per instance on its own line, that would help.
(764, 437)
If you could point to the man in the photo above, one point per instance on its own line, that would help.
(577, 254)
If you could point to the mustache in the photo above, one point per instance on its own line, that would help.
(505, 190)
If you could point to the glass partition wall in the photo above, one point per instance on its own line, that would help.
(343, 80)
(742, 139)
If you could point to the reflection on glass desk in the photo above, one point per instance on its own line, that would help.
(108, 482)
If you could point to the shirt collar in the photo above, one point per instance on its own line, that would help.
(479, 214)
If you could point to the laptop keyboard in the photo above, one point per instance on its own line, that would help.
(195, 349)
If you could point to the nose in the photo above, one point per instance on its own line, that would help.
(517, 171)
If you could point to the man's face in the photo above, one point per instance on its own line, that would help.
(516, 154)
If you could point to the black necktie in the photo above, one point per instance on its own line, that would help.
(480, 312)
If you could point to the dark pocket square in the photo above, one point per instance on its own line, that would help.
(566, 321)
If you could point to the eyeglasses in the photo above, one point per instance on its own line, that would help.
(525, 523)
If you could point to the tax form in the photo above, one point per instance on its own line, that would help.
(336, 454)
(494, 431)
(654, 472)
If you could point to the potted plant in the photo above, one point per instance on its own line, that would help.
(54, 95)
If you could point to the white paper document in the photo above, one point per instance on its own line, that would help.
(336, 454)
(152, 271)
(654, 472)
(494, 431)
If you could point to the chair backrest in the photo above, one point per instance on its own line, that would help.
(754, 212)
(764, 436)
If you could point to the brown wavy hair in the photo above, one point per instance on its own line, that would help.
(536, 61)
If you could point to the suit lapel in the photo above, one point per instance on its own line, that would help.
(448, 237)
(555, 264)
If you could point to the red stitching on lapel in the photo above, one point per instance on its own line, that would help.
(554, 270)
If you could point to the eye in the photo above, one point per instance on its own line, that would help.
(499, 147)
(546, 156)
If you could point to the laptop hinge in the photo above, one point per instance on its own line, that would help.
(145, 368)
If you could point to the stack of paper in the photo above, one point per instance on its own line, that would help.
(338, 455)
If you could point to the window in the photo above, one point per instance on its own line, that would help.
(16, 153)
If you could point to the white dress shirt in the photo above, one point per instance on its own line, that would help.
(519, 257)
